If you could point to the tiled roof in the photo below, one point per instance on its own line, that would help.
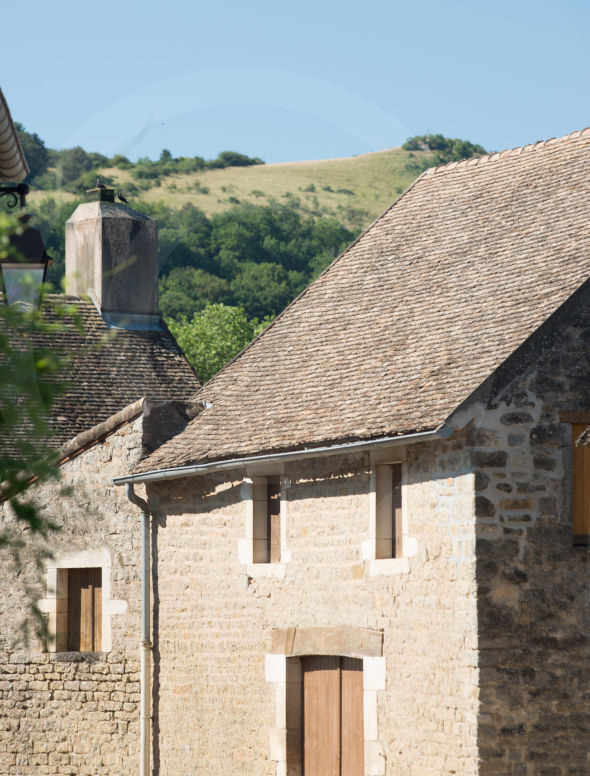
(110, 369)
(13, 165)
(414, 315)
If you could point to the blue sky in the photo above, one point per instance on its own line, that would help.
(286, 82)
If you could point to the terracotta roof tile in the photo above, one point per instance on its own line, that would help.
(414, 316)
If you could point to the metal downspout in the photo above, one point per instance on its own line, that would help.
(146, 645)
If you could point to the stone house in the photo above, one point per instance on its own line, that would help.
(368, 532)
(71, 704)
(370, 545)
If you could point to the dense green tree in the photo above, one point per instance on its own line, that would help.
(120, 161)
(72, 163)
(214, 336)
(275, 233)
(51, 216)
(36, 154)
(263, 289)
(184, 238)
(186, 290)
(234, 159)
(446, 149)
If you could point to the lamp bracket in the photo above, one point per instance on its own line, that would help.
(17, 194)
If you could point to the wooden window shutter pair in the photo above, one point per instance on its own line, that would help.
(84, 610)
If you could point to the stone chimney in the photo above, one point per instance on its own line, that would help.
(112, 257)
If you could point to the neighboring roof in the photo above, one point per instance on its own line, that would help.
(111, 369)
(13, 165)
(415, 314)
(91, 436)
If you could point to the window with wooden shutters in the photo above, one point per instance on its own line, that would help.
(333, 727)
(84, 610)
(581, 486)
(388, 525)
(266, 520)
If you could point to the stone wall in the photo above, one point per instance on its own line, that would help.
(74, 713)
(214, 711)
(533, 584)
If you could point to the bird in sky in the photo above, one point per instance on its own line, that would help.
(122, 198)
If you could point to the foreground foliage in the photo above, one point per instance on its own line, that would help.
(30, 380)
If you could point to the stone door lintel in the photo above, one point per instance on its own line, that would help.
(347, 641)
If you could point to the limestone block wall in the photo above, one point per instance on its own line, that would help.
(214, 710)
(66, 712)
(533, 584)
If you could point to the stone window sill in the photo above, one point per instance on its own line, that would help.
(388, 566)
(257, 570)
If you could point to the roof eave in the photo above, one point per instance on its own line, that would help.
(13, 164)
(193, 470)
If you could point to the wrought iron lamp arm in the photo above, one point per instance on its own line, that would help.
(17, 194)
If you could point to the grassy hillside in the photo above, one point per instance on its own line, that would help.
(355, 190)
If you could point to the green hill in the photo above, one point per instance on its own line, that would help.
(355, 190)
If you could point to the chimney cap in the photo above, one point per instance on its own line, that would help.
(102, 194)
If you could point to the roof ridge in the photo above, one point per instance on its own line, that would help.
(509, 152)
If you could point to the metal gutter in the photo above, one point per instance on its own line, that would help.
(146, 645)
(293, 455)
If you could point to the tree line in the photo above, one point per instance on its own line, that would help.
(75, 170)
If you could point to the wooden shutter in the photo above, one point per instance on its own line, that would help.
(388, 495)
(581, 496)
(84, 610)
(352, 720)
(333, 733)
(321, 716)
(274, 522)
(396, 509)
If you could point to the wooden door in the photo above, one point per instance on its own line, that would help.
(333, 737)
(84, 610)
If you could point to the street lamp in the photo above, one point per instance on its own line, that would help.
(23, 274)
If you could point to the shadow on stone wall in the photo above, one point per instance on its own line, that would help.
(533, 585)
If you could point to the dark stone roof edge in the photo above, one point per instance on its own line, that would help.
(92, 436)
